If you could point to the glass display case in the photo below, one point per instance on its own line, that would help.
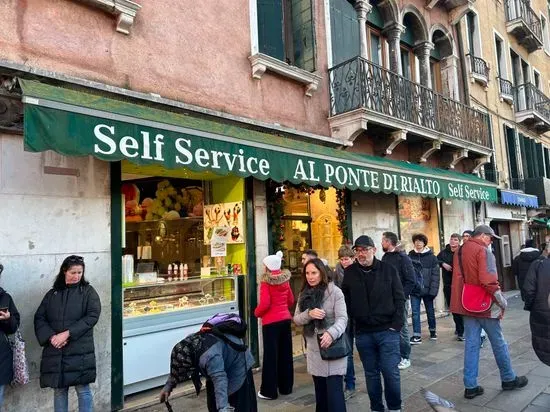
(151, 299)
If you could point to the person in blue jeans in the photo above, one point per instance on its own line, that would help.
(424, 260)
(371, 286)
(475, 264)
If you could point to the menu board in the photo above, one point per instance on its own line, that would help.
(224, 220)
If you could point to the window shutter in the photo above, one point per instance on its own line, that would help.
(540, 160)
(525, 155)
(547, 161)
(344, 31)
(270, 28)
(512, 156)
(303, 34)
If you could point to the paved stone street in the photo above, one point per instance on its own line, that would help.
(436, 366)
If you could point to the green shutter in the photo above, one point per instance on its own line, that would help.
(547, 162)
(270, 28)
(512, 156)
(344, 31)
(375, 18)
(540, 160)
(303, 34)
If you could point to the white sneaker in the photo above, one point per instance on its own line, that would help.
(264, 397)
(404, 364)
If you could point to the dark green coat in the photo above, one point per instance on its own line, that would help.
(77, 309)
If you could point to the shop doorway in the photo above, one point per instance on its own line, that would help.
(503, 254)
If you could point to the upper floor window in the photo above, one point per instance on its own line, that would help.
(474, 35)
(545, 35)
(286, 31)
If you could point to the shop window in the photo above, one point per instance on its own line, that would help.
(286, 31)
(506, 251)
(418, 215)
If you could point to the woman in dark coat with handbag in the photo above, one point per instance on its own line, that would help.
(424, 259)
(536, 293)
(63, 325)
(9, 322)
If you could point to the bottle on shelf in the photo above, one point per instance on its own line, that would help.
(185, 270)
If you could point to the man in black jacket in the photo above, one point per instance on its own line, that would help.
(375, 300)
(445, 258)
(522, 262)
(402, 262)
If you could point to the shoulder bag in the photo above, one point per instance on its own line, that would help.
(20, 366)
(475, 298)
(338, 349)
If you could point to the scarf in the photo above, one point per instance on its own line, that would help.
(311, 298)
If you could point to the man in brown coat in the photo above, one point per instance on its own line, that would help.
(475, 264)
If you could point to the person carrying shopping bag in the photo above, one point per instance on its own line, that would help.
(275, 300)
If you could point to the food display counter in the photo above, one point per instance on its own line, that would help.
(158, 315)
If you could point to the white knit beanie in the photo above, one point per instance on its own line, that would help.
(273, 262)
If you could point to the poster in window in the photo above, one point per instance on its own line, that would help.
(224, 220)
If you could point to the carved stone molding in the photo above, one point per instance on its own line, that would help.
(451, 159)
(385, 146)
(429, 149)
(480, 162)
(124, 10)
(458, 12)
(348, 126)
(261, 63)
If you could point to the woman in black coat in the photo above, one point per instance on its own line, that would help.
(536, 293)
(63, 325)
(9, 322)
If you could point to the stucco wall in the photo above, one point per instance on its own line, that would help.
(190, 51)
(44, 219)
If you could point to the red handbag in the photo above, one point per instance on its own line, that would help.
(475, 298)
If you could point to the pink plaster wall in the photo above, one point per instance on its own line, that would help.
(191, 51)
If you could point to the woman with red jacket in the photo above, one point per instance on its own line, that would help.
(275, 300)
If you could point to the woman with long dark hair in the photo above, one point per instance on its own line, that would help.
(321, 310)
(63, 325)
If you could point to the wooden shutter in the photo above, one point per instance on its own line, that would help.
(303, 34)
(344, 31)
(547, 161)
(540, 160)
(525, 154)
(270, 28)
(512, 156)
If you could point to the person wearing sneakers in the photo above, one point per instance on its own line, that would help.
(423, 257)
(276, 298)
(402, 262)
(445, 258)
(374, 300)
(475, 264)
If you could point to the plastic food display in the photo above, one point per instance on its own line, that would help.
(147, 300)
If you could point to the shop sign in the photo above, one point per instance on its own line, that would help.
(501, 212)
(78, 131)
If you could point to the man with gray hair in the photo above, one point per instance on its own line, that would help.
(475, 264)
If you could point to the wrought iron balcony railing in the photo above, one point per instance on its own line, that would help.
(506, 87)
(520, 9)
(528, 97)
(517, 184)
(359, 83)
(479, 66)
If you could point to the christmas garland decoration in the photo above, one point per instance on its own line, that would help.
(275, 202)
(342, 215)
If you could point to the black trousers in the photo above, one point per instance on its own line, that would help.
(459, 321)
(244, 400)
(278, 365)
(329, 394)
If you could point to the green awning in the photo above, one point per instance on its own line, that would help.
(73, 123)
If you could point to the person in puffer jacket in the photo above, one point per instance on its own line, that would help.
(522, 262)
(423, 257)
(276, 298)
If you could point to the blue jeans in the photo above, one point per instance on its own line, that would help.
(379, 353)
(472, 331)
(85, 399)
(430, 313)
(1, 395)
(405, 343)
(349, 379)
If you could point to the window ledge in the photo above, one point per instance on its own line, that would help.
(124, 10)
(261, 63)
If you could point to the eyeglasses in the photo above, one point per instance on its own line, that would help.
(363, 250)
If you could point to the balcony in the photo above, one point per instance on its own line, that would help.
(532, 108)
(506, 90)
(523, 23)
(517, 184)
(449, 5)
(540, 187)
(362, 89)
(479, 70)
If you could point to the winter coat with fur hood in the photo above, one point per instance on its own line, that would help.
(275, 298)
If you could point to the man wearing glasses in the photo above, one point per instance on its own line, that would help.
(475, 264)
(375, 303)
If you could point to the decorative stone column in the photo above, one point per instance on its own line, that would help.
(449, 76)
(393, 34)
(362, 7)
(423, 51)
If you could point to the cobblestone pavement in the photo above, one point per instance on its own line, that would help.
(436, 366)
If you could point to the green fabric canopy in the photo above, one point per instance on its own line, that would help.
(73, 123)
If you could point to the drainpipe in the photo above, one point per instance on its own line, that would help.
(462, 60)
